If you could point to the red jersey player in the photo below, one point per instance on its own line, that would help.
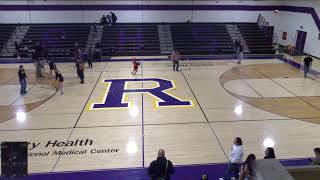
(135, 66)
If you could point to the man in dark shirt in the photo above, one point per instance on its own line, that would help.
(307, 64)
(22, 80)
(160, 168)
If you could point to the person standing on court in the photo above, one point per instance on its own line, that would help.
(61, 79)
(89, 59)
(175, 58)
(240, 53)
(236, 155)
(160, 169)
(81, 72)
(307, 64)
(52, 66)
(22, 80)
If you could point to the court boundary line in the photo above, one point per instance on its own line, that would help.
(153, 124)
(139, 168)
(285, 60)
(142, 117)
(251, 87)
(289, 91)
(205, 116)
(75, 125)
(3, 84)
(20, 96)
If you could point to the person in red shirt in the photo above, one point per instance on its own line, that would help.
(135, 66)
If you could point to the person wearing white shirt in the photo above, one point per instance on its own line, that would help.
(236, 155)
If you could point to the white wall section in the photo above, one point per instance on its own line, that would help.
(284, 21)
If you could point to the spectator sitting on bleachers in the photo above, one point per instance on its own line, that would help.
(17, 46)
(103, 20)
(76, 51)
(269, 153)
(38, 51)
(95, 30)
(316, 160)
(45, 52)
(246, 172)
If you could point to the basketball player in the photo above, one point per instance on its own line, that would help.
(135, 66)
(52, 66)
(61, 79)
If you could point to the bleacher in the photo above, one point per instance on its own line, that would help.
(126, 39)
(258, 41)
(60, 38)
(5, 34)
(201, 38)
(130, 39)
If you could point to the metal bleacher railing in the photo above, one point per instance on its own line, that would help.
(263, 25)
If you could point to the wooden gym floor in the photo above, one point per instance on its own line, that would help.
(194, 117)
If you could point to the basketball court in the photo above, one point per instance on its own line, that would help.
(117, 120)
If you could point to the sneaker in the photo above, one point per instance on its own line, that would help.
(61, 92)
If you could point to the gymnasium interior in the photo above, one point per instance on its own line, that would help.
(167, 79)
